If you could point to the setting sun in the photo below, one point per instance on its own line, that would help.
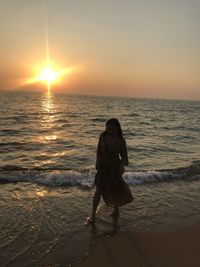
(48, 75)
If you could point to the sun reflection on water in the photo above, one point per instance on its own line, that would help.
(48, 119)
(47, 102)
(41, 193)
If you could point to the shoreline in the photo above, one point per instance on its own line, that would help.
(144, 248)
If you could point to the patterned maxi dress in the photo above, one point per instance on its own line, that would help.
(108, 179)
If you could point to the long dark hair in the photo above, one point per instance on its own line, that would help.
(115, 123)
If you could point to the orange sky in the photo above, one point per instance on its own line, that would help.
(146, 48)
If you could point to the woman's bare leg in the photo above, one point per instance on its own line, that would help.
(95, 203)
(116, 210)
(115, 213)
(115, 217)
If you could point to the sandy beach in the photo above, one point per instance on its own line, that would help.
(129, 249)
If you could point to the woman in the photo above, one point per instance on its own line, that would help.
(108, 180)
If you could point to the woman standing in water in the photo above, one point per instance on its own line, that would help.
(111, 159)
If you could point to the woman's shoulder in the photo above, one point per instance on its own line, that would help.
(102, 135)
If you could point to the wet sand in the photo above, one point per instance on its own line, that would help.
(129, 249)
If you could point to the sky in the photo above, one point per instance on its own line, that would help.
(136, 48)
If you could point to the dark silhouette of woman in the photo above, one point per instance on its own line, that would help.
(110, 160)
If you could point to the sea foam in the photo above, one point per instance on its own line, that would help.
(85, 178)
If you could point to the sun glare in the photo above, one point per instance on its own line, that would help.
(48, 75)
(47, 72)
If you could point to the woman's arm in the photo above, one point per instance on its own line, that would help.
(123, 152)
(99, 154)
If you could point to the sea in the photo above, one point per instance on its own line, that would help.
(48, 144)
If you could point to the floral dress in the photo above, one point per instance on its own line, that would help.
(108, 179)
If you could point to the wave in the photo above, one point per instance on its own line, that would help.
(85, 178)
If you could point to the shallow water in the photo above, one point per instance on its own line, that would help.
(43, 226)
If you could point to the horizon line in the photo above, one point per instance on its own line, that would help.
(96, 95)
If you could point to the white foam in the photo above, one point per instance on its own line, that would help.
(86, 178)
(141, 177)
(78, 178)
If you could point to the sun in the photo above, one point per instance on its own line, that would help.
(48, 74)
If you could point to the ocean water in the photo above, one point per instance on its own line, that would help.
(50, 131)
(47, 157)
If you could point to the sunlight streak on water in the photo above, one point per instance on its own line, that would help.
(48, 119)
